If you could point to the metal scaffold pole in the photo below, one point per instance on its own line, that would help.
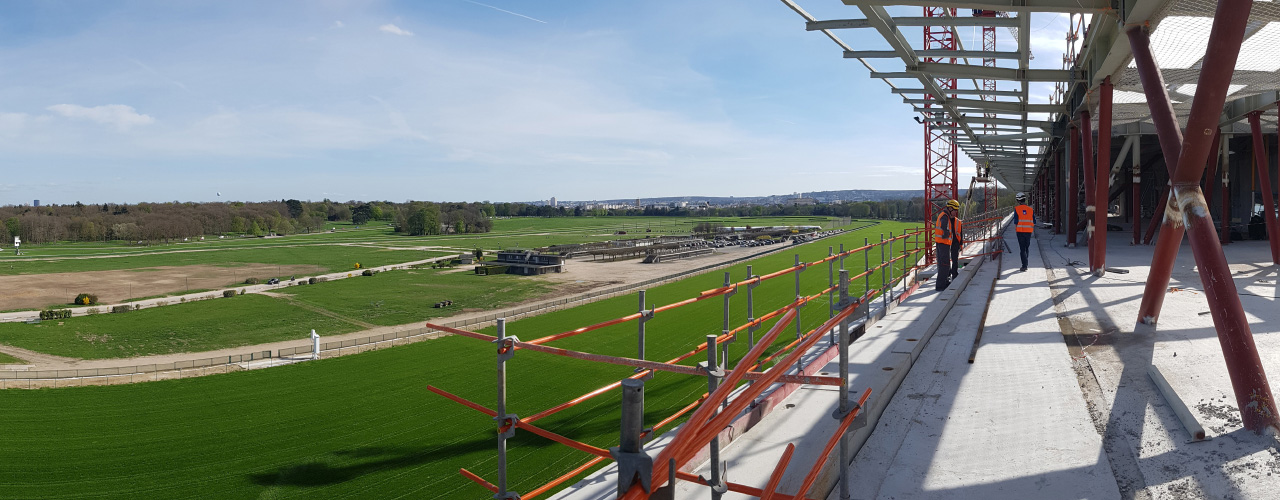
(506, 421)
(844, 407)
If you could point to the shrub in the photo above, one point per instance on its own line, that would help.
(86, 299)
(241, 291)
(319, 280)
(93, 311)
(228, 293)
(357, 265)
(367, 272)
(55, 314)
(311, 281)
(121, 309)
(252, 281)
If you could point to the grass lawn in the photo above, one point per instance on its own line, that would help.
(333, 258)
(365, 425)
(404, 296)
(6, 359)
(192, 327)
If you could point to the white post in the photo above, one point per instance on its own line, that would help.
(315, 345)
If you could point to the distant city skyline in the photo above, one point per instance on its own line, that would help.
(396, 100)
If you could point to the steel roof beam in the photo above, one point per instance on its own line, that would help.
(997, 93)
(1086, 6)
(998, 121)
(889, 54)
(837, 24)
(883, 23)
(949, 70)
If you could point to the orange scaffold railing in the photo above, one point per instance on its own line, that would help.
(901, 257)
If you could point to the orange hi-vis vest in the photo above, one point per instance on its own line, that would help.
(1025, 219)
(941, 235)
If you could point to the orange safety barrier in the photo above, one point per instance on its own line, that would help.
(831, 444)
(702, 426)
(577, 445)
(701, 348)
(478, 480)
(635, 363)
(714, 292)
(771, 487)
(583, 468)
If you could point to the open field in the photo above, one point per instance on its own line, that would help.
(6, 359)
(404, 296)
(66, 268)
(365, 425)
(191, 327)
(329, 258)
(59, 289)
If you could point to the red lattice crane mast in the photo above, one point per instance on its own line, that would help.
(940, 149)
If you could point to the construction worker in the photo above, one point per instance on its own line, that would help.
(945, 237)
(1026, 224)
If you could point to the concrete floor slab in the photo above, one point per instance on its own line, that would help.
(1012, 425)
(1147, 446)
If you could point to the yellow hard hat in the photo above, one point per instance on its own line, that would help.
(953, 204)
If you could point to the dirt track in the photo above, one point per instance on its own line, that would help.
(36, 291)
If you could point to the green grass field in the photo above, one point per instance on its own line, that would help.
(365, 425)
(331, 258)
(191, 327)
(335, 251)
(404, 296)
(6, 359)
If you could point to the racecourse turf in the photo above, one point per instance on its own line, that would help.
(365, 425)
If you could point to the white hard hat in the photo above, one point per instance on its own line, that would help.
(1021, 196)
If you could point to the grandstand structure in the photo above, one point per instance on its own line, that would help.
(1098, 373)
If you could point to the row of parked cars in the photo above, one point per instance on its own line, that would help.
(721, 241)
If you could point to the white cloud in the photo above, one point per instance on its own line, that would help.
(119, 115)
(338, 24)
(395, 30)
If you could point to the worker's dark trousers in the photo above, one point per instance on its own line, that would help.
(1024, 241)
(943, 254)
(955, 259)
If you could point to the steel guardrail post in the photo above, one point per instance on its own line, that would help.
(633, 463)
(714, 372)
(506, 421)
(844, 408)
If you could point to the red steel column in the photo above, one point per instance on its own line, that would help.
(1170, 136)
(1102, 180)
(1264, 178)
(1135, 196)
(1248, 379)
(1073, 186)
(1090, 203)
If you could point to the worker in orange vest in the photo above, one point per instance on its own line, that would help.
(1026, 224)
(946, 235)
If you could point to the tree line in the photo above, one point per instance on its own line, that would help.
(909, 209)
(165, 222)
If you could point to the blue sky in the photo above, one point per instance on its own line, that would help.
(443, 100)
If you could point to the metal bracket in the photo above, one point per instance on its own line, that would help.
(731, 293)
(646, 315)
(631, 466)
(859, 421)
(723, 486)
(506, 347)
(511, 495)
(511, 430)
(718, 372)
